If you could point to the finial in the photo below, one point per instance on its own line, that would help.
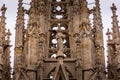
(97, 8)
(97, 16)
(97, 3)
(115, 24)
(3, 9)
(113, 7)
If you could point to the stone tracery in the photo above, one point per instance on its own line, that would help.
(59, 42)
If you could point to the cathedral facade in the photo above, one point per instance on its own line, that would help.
(59, 43)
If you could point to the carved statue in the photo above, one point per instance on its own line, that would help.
(60, 36)
(41, 17)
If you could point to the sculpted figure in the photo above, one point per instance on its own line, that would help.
(60, 36)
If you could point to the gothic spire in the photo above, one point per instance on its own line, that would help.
(97, 16)
(114, 47)
(4, 47)
(97, 24)
(115, 28)
(19, 25)
(2, 23)
(98, 36)
(20, 16)
(19, 37)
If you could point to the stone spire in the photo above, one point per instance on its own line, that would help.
(19, 25)
(4, 47)
(98, 36)
(97, 24)
(19, 41)
(116, 39)
(98, 28)
(2, 39)
(114, 48)
(2, 23)
(97, 16)
(115, 28)
(2, 34)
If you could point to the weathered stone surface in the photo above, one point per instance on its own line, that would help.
(4, 47)
(59, 43)
(114, 48)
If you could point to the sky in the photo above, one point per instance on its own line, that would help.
(11, 14)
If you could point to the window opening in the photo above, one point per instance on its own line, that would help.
(58, 0)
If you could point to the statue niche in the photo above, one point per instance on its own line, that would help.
(59, 35)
